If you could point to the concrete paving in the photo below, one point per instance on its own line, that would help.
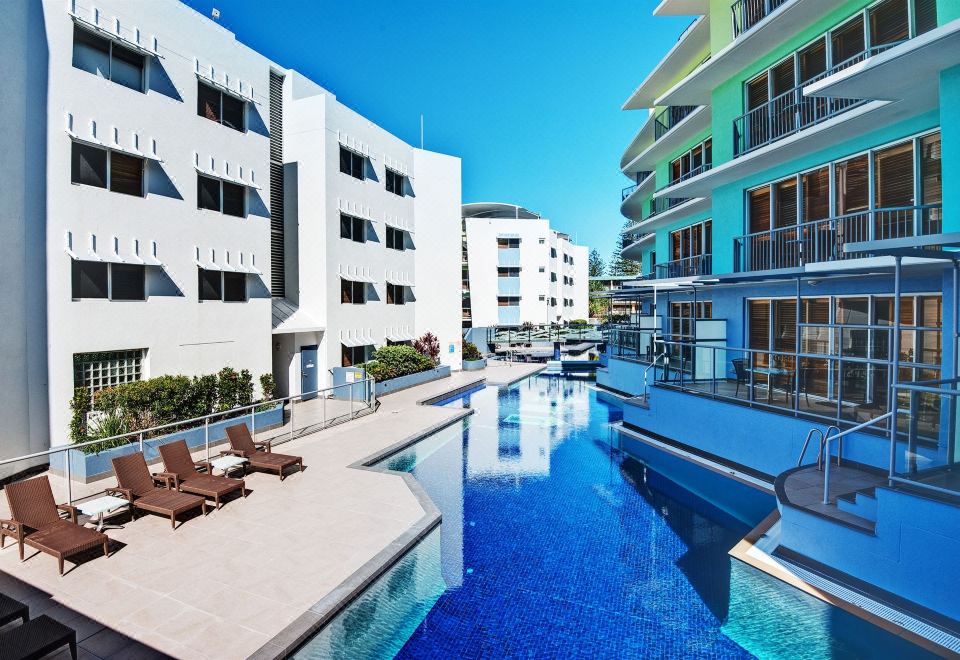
(223, 585)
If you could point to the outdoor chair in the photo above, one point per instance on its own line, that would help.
(11, 610)
(259, 454)
(35, 521)
(139, 487)
(182, 469)
(741, 372)
(37, 638)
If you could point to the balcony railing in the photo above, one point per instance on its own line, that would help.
(699, 264)
(626, 192)
(818, 241)
(747, 13)
(669, 117)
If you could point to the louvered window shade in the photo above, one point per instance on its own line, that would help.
(760, 210)
(852, 185)
(277, 252)
(924, 15)
(126, 174)
(889, 22)
(847, 41)
(932, 180)
(786, 203)
(813, 60)
(759, 313)
(783, 79)
(757, 92)
(893, 176)
(785, 325)
(816, 194)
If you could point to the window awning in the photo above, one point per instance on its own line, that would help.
(356, 274)
(225, 265)
(399, 280)
(226, 175)
(288, 318)
(113, 144)
(361, 338)
(111, 254)
(399, 335)
(508, 235)
(115, 34)
(397, 224)
(239, 93)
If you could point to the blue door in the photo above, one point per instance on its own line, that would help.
(308, 371)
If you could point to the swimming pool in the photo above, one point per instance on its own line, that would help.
(555, 544)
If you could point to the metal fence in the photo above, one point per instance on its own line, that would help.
(747, 13)
(315, 410)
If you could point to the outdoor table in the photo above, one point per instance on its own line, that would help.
(771, 373)
(227, 463)
(100, 506)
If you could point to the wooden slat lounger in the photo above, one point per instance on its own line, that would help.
(35, 521)
(182, 469)
(242, 444)
(137, 486)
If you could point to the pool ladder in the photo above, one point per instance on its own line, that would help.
(824, 438)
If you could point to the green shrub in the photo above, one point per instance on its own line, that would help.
(268, 387)
(234, 388)
(395, 361)
(579, 323)
(470, 351)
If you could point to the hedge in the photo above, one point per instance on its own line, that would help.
(157, 401)
(395, 361)
(470, 351)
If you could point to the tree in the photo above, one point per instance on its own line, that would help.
(596, 264)
(618, 264)
(428, 344)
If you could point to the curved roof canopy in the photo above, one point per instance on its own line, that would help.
(497, 210)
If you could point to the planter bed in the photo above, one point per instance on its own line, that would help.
(474, 365)
(403, 382)
(90, 467)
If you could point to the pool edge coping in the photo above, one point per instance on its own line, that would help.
(294, 634)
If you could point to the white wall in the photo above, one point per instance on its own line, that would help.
(180, 334)
(438, 239)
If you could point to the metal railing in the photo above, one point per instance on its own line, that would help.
(838, 437)
(660, 205)
(669, 117)
(352, 400)
(747, 13)
(640, 178)
(818, 241)
(840, 374)
(699, 264)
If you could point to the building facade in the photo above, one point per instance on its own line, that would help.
(150, 159)
(793, 208)
(517, 270)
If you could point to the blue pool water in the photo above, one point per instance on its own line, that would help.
(556, 544)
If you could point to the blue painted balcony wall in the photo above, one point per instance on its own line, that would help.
(623, 376)
(950, 136)
(915, 536)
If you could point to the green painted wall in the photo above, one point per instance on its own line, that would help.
(947, 10)
(950, 145)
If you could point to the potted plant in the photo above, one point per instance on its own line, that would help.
(472, 360)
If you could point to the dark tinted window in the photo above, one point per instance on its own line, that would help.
(208, 193)
(126, 68)
(353, 228)
(234, 287)
(233, 112)
(234, 198)
(89, 279)
(395, 294)
(395, 183)
(208, 102)
(394, 238)
(353, 292)
(126, 174)
(91, 53)
(126, 282)
(346, 226)
(88, 165)
(209, 281)
(351, 163)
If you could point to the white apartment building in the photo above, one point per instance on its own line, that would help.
(144, 190)
(518, 270)
(375, 256)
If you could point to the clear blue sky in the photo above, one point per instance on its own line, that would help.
(526, 92)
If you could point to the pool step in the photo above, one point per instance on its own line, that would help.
(861, 503)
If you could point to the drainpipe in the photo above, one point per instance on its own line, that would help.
(895, 369)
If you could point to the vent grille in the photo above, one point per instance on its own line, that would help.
(277, 269)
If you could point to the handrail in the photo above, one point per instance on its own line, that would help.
(698, 264)
(646, 387)
(839, 436)
(806, 443)
(673, 114)
(823, 441)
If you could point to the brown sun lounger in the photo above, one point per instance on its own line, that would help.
(180, 466)
(139, 487)
(242, 444)
(35, 521)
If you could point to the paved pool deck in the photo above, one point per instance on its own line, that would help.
(231, 584)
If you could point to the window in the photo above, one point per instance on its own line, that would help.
(553, 253)
(395, 294)
(395, 239)
(215, 105)
(107, 59)
(353, 293)
(353, 228)
(97, 371)
(95, 279)
(693, 162)
(352, 163)
(553, 277)
(508, 301)
(224, 286)
(352, 355)
(553, 302)
(541, 240)
(542, 298)
(91, 166)
(541, 269)
(395, 182)
(686, 245)
(508, 243)
(216, 195)
(509, 271)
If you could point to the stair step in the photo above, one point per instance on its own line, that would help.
(861, 504)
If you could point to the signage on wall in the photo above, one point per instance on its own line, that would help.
(452, 349)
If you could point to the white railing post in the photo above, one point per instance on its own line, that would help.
(69, 479)
(253, 421)
(291, 418)
(206, 436)
(826, 471)
(141, 442)
(323, 419)
(351, 401)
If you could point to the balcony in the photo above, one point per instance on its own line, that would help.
(629, 190)
(819, 241)
(508, 315)
(747, 13)
(669, 140)
(670, 117)
(508, 257)
(700, 264)
(785, 115)
(508, 286)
